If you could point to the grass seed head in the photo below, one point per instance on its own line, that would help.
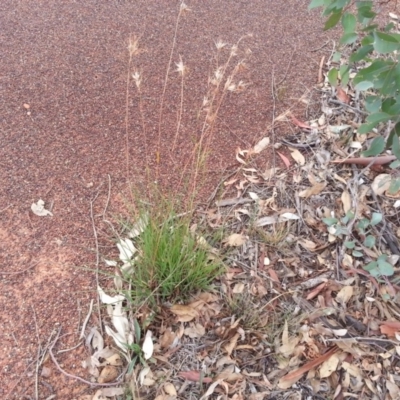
(184, 8)
(136, 76)
(133, 46)
(219, 44)
(180, 67)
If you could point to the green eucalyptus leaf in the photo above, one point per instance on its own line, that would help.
(364, 85)
(394, 131)
(369, 241)
(333, 76)
(376, 147)
(349, 22)
(376, 218)
(385, 268)
(341, 230)
(376, 273)
(396, 146)
(385, 43)
(344, 74)
(357, 254)
(373, 104)
(361, 53)
(362, 224)
(316, 3)
(378, 117)
(370, 266)
(350, 244)
(336, 56)
(394, 185)
(333, 20)
(348, 38)
(394, 165)
(330, 221)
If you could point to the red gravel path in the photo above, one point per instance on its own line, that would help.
(68, 60)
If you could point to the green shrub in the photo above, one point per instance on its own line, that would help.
(375, 50)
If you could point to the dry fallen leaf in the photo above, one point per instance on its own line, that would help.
(284, 159)
(288, 380)
(108, 374)
(299, 123)
(342, 95)
(232, 344)
(390, 328)
(169, 388)
(381, 183)
(39, 210)
(167, 338)
(344, 295)
(195, 331)
(261, 145)
(346, 200)
(236, 239)
(314, 190)
(298, 157)
(212, 387)
(194, 376)
(393, 389)
(184, 313)
(238, 288)
(329, 366)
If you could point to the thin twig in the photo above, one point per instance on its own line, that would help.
(287, 69)
(347, 106)
(108, 196)
(273, 117)
(321, 47)
(97, 258)
(86, 320)
(38, 355)
(20, 272)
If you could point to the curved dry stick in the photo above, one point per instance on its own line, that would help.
(19, 272)
(78, 378)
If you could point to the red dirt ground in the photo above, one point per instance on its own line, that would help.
(68, 61)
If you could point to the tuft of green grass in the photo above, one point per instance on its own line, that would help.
(173, 263)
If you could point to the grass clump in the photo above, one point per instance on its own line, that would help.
(173, 262)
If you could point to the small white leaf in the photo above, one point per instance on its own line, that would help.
(143, 374)
(126, 250)
(261, 145)
(106, 299)
(139, 226)
(39, 210)
(111, 263)
(119, 341)
(148, 346)
(254, 196)
(120, 321)
(288, 216)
